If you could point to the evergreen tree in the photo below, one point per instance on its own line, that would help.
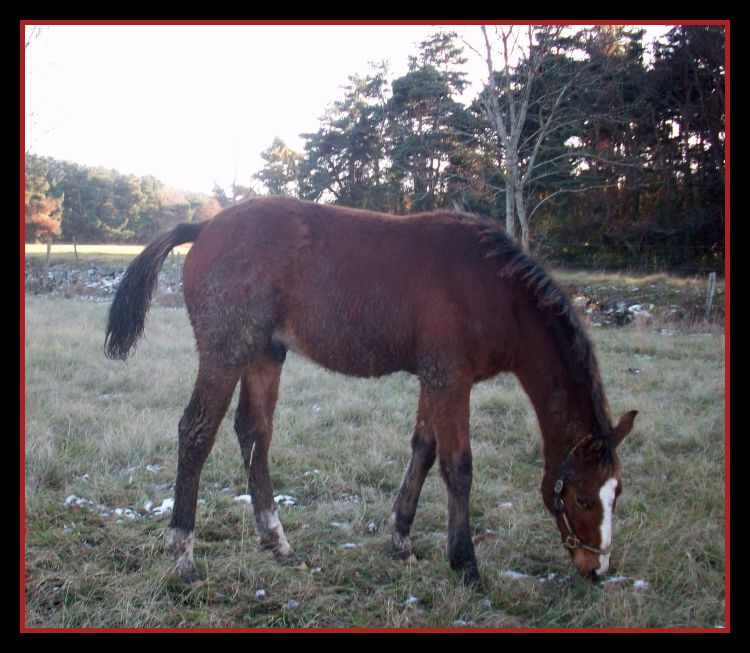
(280, 172)
(344, 158)
(426, 124)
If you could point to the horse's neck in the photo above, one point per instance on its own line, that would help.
(555, 388)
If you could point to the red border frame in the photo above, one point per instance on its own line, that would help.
(726, 630)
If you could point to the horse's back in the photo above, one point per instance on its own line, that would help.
(359, 292)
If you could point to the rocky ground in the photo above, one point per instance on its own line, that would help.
(97, 281)
(658, 299)
(604, 299)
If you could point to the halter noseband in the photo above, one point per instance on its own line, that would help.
(572, 541)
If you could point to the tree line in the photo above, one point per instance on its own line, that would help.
(67, 201)
(587, 151)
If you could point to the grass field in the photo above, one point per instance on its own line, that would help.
(100, 454)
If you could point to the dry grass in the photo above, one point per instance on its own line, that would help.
(106, 432)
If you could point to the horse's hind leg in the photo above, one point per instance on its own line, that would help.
(197, 432)
(422, 458)
(254, 426)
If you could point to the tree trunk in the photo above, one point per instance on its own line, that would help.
(510, 211)
(523, 220)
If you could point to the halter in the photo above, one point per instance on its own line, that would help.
(572, 541)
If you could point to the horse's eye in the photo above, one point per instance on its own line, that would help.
(582, 503)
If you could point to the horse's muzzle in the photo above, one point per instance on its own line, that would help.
(587, 563)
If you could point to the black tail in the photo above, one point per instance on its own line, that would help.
(127, 314)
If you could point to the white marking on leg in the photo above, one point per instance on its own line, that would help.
(180, 545)
(607, 497)
(269, 524)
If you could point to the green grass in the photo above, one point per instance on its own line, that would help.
(340, 448)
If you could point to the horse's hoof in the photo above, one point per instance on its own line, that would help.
(472, 579)
(289, 558)
(402, 547)
(187, 571)
(190, 576)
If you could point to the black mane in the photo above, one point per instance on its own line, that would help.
(566, 325)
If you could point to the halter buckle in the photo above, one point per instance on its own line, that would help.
(572, 542)
(558, 486)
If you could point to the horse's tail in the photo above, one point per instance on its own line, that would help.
(127, 314)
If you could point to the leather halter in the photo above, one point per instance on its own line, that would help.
(572, 541)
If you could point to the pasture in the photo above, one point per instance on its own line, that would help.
(100, 457)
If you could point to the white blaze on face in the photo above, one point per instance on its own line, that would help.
(607, 497)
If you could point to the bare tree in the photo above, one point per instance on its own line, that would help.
(533, 73)
(506, 102)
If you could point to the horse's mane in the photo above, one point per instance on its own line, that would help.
(575, 344)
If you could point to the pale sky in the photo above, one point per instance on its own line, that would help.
(188, 103)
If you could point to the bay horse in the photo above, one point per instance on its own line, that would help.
(445, 296)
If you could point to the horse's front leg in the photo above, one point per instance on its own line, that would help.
(449, 409)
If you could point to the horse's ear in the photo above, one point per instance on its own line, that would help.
(624, 426)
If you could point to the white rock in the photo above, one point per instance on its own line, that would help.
(78, 501)
(515, 575)
(126, 512)
(166, 506)
(616, 579)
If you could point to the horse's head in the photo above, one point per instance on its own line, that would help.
(582, 494)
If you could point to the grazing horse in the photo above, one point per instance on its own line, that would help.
(443, 295)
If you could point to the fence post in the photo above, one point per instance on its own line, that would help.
(46, 260)
(75, 248)
(710, 293)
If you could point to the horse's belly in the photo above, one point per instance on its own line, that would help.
(345, 349)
